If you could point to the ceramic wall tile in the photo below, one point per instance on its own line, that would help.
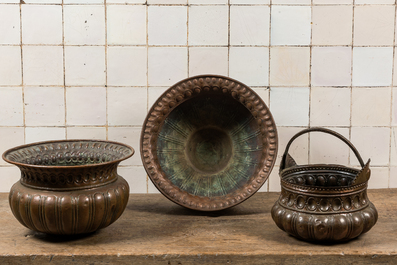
(206, 2)
(249, 25)
(127, 105)
(375, 2)
(330, 106)
(86, 133)
(393, 147)
(130, 136)
(11, 111)
(84, 2)
(167, 25)
(45, 28)
(300, 147)
(153, 94)
(394, 107)
(372, 66)
(265, 186)
(42, 65)
(297, 100)
(169, 2)
(136, 178)
(126, 24)
(127, 66)
(331, 66)
(10, 1)
(10, 176)
(208, 60)
(290, 25)
(43, 2)
(394, 70)
(371, 142)
(10, 65)
(86, 105)
(208, 25)
(328, 149)
(249, 65)
(379, 178)
(393, 177)
(248, 2)
(332, 25)
(84, 24)
(332, 2)
(10, 24)
(166, 65)
(274, 180)
(151, 188)
(10, 137)
(291, 2)
(374, 25)
(85, 65)
(264, 93)
(39, 134)
(44, 106)
(362, 112)
(125, 1)
(289, 66)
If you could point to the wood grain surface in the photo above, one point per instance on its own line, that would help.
(154, 230)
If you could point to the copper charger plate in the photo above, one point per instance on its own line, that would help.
(208, 143)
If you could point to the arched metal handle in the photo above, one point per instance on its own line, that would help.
(319, 129)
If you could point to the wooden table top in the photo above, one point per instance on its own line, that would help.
(154, 230)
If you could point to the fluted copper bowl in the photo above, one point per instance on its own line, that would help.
(69, 186)
(209, 143)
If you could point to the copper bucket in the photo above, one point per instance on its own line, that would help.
(323, 202)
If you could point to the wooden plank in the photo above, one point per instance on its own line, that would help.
(153, 230)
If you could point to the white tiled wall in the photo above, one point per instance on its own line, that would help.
(93, 68)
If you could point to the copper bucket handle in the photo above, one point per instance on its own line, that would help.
(319, 129)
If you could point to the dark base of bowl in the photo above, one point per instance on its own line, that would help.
(71, 212)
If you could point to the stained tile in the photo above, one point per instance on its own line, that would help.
(249, 65)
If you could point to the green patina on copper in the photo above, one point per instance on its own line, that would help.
(209, 146)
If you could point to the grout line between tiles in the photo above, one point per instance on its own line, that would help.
(22, 77)
(198, 45)
(391, 100)
(351, 84)
(64, 69)
(205, 4)
(187, 40)
(106, 72)
(310, 80)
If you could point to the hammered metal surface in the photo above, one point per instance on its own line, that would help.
(68, 163)
(324, 203)
(209, 143)
(68, 187)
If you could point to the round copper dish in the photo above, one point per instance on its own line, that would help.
(69, 186)
(209, 143)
